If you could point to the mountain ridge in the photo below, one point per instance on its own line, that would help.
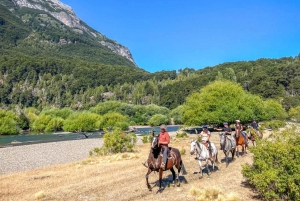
(65, 14)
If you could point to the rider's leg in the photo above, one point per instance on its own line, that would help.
(209, 147)
(165, 151)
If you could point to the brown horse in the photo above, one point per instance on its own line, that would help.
(155, 159)
(241, 140)
(253, 135)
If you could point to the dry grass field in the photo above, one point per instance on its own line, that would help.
(122, 177)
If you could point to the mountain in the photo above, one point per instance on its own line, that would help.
(54, 25)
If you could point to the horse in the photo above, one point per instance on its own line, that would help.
(227, 146)
(203, 155)
(155, 159)
(253, 134)
(241, 141)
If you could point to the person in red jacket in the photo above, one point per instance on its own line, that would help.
(163, 141)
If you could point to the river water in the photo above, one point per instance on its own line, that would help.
(33, 138)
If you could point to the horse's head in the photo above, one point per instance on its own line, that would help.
(154, 142)
(193, 147)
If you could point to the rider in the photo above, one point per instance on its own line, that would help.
(163, 141)
(205, 135)
(254, 124)
(239, 130)
(228, 132)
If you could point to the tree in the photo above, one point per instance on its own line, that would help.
(218, 102)
(113, 120)
(158, 119)
(294, 113)
(81, 121)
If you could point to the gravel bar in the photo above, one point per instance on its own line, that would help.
(29, 157)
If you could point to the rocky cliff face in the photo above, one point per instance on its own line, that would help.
(66, 15)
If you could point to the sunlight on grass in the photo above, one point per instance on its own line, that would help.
(212, 194)
(39, 195)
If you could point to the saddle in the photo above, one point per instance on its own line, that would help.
(168, 152)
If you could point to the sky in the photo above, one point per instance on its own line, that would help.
(177, 34)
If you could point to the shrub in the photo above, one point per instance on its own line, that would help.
(55, 124)
(275, 172)
(181, 135)
(41, 122)
(275, 125)
(146, 138)
(117, 142)
(182, 151)
(294, 113)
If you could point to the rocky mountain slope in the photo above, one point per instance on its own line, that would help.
(42, 15)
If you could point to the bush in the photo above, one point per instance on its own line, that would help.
(181, 135)
(294, 113)
(55, 124)
(275, 172)
(275, 125)
(182, 151)
(147, 138)
(117, 141)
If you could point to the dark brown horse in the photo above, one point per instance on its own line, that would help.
(155, 159)
(253, 135)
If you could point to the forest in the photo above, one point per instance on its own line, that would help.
(46, 65)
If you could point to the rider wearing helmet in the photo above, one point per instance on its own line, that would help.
(228, 132)
(205, 135)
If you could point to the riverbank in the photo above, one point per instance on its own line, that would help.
(34, 156)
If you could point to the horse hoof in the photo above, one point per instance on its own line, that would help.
(201, 177)
(178, 185)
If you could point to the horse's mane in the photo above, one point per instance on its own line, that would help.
(155, 152)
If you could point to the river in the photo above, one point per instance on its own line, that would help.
(33, 138)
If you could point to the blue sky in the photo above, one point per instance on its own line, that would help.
(175, 34)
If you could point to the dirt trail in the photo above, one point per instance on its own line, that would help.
(122, 177)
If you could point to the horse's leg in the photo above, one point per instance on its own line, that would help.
(237, 150)
(200, 164)
(226, 157)
(208, 172)
(177, 176)
(173, 174)
(147, 182)
(160, 178)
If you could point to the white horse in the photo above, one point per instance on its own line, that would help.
(203, 155)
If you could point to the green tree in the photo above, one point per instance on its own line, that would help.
(273, 110)
(294, 113)
(113, 120)
(8, 123)
(81, 121)
(158, 119)
(218, 102)
(41, 122)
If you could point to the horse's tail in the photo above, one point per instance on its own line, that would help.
(184, 172)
